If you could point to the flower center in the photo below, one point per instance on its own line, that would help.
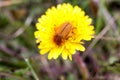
(62, 33)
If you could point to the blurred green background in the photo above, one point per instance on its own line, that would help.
(19, 55)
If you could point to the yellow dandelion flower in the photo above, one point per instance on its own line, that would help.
(61, 31)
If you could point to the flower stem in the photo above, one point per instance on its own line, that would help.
(81, 65)
(31, 68)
